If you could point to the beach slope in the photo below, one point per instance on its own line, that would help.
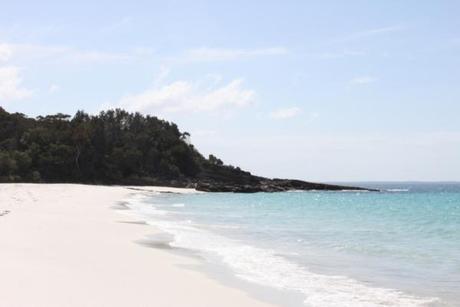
(67, 245)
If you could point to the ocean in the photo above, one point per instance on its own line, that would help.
(398, 247)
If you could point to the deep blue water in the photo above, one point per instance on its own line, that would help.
(400, 247)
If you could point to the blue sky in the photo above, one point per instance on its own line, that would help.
(317, 90)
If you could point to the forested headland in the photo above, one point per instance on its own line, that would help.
(118, 147)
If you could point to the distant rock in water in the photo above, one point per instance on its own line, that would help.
(118, 147)
(273, 185)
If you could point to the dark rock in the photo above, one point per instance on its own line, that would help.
(271, 185)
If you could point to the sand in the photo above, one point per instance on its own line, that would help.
(68, 245)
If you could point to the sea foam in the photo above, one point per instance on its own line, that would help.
(266, 267)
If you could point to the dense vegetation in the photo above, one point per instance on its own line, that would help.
(117, 147)
(112, 147)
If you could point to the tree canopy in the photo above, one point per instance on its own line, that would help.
(113, 147)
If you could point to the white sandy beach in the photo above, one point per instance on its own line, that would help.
(66, 245)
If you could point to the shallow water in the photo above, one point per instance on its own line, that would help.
(400, 247)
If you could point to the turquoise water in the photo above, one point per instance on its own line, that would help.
(400, 247)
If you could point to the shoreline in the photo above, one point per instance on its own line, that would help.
(68, 245)
(212, 267)
(191, 220)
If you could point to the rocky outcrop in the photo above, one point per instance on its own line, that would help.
(271, 185)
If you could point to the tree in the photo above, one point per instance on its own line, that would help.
(114, 146)
(215, 161)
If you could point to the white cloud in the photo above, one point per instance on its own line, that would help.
(221, 54)
(10, 85)
(371, 33)
(186, 96)
(380, 30)
(59, 53)
(339, 54)
(161, 76)
(53, 88)
(285, 113)
(362, 80)
(5, 52)
(96, 56)
(56, 53)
